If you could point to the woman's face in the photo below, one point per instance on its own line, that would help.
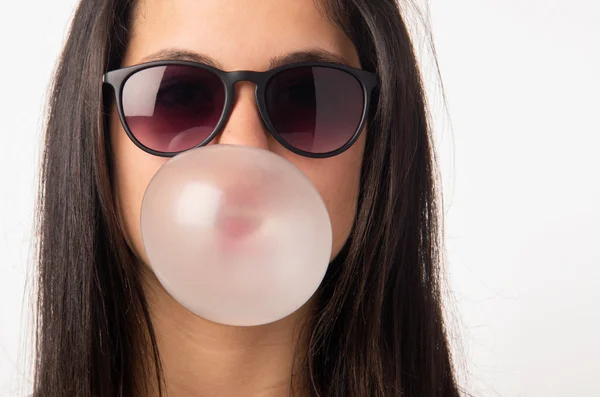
(239, 35)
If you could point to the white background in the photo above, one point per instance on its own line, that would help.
(520, 167)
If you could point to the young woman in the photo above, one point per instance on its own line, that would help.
(374, 328)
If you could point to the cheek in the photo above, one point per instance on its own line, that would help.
(341, 201)
(338, 181)
(133, 170)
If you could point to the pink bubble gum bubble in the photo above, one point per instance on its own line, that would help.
(235, 234)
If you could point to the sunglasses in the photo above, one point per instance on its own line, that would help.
(314, 109)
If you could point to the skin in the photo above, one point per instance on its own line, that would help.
(201, 357)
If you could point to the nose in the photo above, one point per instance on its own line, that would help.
(244, 126)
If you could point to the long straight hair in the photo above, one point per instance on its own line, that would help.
(378, 328)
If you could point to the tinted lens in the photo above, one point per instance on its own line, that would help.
(173, 108)
(315, 109)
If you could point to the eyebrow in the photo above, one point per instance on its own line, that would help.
(308, 55)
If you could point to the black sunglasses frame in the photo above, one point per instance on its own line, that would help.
(368, 81)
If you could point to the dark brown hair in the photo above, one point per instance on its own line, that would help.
(378, 329)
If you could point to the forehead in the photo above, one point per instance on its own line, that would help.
(237, 34)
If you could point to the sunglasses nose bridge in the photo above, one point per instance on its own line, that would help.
(244, 75)
(244, 124)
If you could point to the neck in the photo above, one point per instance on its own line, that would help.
(203, 358)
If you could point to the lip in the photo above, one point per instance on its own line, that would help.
(240, 214)
(238, 226)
